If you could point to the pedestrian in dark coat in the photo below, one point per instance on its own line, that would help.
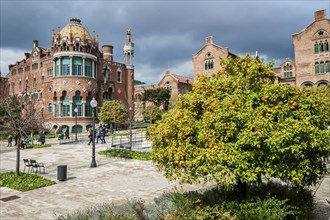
(10, 139)
(42, 137)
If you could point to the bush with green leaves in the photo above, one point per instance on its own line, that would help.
(23, 182)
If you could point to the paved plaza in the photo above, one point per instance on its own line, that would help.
(113, 180)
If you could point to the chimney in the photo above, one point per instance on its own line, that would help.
(208, 40)
(319, 15)
(107, 51)
(35, 43)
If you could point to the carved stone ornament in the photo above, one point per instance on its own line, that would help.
(119, 91)
(64, 82)
(89, 83)
(78, 82)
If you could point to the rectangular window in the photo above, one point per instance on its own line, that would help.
(20, 70)
(65, 67)
(27, 69)
(77, 66)
(34, 66)
(65, 110)
(50, 71)
(88, 68)
(34, 82)
(42, 79)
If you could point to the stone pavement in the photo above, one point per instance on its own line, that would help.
(113, 180)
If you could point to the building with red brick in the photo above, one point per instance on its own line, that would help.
(4, 90)
(64, 78)
(311, 66)
(175, 83)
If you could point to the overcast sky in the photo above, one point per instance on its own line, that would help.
(166, 33)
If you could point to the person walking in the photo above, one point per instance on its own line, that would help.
(90, 135)
(10, 139)
(103, 133)
(98, 135)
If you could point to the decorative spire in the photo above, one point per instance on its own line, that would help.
(58, 34)
(53, 36)
(128, 36)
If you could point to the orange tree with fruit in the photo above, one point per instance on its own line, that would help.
(241, 126)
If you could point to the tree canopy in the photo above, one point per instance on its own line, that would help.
(113, 112)
(240, 125)
(158, 97)
(152, 113)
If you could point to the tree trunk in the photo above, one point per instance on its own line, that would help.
(18, 154)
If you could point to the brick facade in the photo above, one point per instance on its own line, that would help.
(177, 84)
(68, 75)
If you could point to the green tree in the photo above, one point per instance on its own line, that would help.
(152, 113)
(239, 126)
(18, 117)
(113, 112)
(159, 97)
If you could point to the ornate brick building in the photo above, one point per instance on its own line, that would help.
(311, 66)
(177, 84)
(64, 78)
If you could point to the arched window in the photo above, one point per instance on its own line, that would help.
(77, 66)
(64, 46)
(326, 46)
(119, 76)
(105, 96)
(327, 66)
(88, 108)
(65, 110)
(316, 47)
(211, 64)
(50, 108)
(321, 46)
(77, 48)
(20, 85)
(322, 67)
(322, 84)
(317, 70)
(206, 65)
(65, 66)
(77, 103)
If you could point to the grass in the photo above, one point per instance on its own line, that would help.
(23, 182)
(123, 153)
(34, 146)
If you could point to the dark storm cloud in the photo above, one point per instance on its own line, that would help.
(166, 33)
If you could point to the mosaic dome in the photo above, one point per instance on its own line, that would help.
(77, 30)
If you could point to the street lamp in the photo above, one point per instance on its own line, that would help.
(93, 105)
(75, 128)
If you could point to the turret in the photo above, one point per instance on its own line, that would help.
(129, 62)
(129, 51)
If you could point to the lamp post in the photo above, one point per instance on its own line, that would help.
(75, 128)
(93, 105)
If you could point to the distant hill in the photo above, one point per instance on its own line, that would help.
(137, 82)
